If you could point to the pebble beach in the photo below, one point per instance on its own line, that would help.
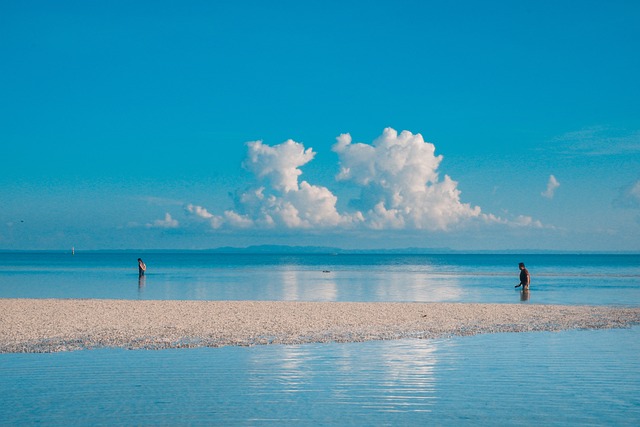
(53, 325)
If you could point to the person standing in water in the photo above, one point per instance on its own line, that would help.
(141, 267)
(525, 278)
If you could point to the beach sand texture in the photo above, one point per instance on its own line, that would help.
(50, 325)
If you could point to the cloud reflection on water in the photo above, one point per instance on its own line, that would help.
(396, 377)
(311, 285)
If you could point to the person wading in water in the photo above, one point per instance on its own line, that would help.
(525, 278)
(141, 267)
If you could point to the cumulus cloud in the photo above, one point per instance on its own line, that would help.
(527, 221)
(283, 201)
(167, 222)
(303, 207)
(552, 185)
(397, 177)
(238, 221)
(400, 183)
(278, 164)
(202, 213)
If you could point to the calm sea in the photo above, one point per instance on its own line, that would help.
(556, 279)
(566, 378)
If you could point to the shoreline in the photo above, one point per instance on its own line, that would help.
(52, 325)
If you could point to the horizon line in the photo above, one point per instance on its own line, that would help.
(318, 250)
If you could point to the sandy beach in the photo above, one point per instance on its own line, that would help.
(50, 325)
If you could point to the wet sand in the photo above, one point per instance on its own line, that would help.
(50, 325)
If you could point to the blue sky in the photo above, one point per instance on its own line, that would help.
(470, 125)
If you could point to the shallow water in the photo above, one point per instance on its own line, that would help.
(556, 279)
(566, 378)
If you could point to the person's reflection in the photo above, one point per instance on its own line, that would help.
(524, 295)
(141, 282)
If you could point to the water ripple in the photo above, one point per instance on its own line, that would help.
(566, 378)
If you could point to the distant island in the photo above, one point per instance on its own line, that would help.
(287, 249)
(328, 250)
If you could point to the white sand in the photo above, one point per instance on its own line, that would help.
(47, 325)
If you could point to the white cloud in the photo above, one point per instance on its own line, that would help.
(552, 185)
(238, 221)
(399, 182)
(167, 222)
(302, 206)
(283, 202)
(200, 212)
(527, 221)
(278, 164)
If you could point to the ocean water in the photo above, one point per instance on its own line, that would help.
(556, 279)
(552, 379)
(542, 378)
